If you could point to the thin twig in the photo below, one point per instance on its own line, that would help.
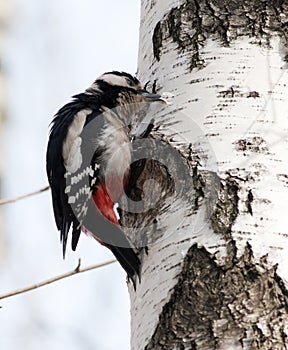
(57, 278)
(15, 199)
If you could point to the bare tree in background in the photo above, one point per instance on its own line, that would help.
(214, 193)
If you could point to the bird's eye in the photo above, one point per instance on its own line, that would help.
(129, 82)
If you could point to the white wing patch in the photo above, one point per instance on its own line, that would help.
(82, 191)
(71, 149)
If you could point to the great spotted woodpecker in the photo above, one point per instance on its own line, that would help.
(88, 161)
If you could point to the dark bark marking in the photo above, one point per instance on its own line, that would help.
(190, 24)
(255, 144)
(183, 179)
(283, 178)
(157, 41)
(210, 302)
(226, 210)
(233, 92)
(249, 201)
(171, 170)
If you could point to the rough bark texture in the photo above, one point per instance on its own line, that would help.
(190, 24)
(238, 301)
(238, 305)
(153, 187)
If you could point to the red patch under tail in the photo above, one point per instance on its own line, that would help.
(105, 204)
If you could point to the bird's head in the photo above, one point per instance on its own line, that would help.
(120, 89)
(120, 83)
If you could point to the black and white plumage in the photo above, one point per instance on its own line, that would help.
(88, 160)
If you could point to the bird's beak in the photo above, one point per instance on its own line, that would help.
(150, 97)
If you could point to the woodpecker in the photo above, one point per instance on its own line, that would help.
(88, 160)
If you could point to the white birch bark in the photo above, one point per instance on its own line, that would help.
(231, 103)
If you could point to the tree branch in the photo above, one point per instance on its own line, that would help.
(57, 278)
(15, 199)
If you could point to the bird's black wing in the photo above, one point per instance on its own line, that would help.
(69, 191)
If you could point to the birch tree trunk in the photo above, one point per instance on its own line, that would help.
(216, 271)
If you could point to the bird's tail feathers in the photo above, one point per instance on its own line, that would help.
(129, 260)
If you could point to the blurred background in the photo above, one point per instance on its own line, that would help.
(50, 50)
